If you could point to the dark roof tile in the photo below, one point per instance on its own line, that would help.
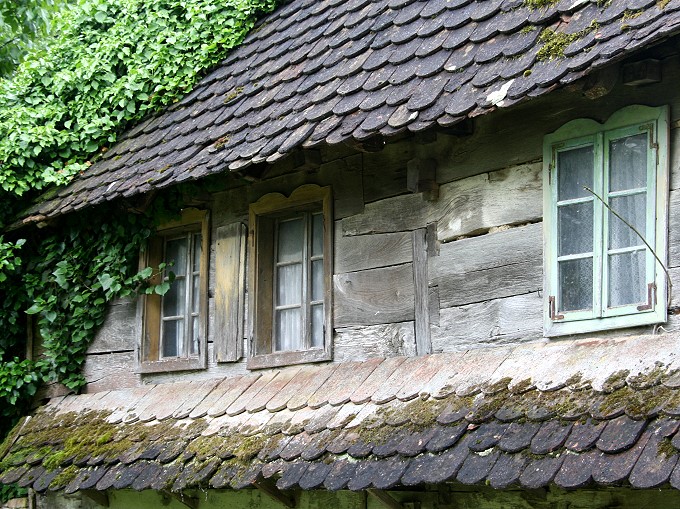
(518, 436)
(657, 461)
(444, 467)
(507, 470)
(576, 470)
(620, 434)
(550, 437)
(612, 469)
(584, 435)
(476, 467)
(540, 472)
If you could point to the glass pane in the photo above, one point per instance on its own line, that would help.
(317, 235)
(288, 330)
(176, 254)
(628, 163)
(576, 284)
(194, 336)
(291, 239)
(627, 282)
(317, 280)
(575, 228)
(289, 285)
(317, 326)
(633, 209)
(197, 252)
(173, 300)
(173, 331)
(574, 172)
(195, 296)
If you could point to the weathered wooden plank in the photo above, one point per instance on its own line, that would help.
(420, 285)
(344, 176)
(674, 229)
(363, 252)
(385, 171)
(117, 333)
(469, 206)
(230, 266)
(495, 322)
(374, 296)
(105, 372)
(488, 267)
(384, 340)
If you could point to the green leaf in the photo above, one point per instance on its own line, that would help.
(162, 288)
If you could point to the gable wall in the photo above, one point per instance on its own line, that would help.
(478, 246)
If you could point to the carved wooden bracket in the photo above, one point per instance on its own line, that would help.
(269, 488)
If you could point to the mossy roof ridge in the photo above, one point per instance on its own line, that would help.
(299, 78)
(465, 421)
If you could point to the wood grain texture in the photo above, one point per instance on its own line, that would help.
(374, 296)
(385, 171)
(464, 207)
(105, 372)
(384, 340)
(230, 254)
(495, 322)
(488, 267)
(674, 229)
(420, 285)
(363, 252)
(117, 333)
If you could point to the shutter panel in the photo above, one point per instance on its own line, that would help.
(152, 303)
(230, 264)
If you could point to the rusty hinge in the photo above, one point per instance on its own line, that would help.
(552, 310)
(651, 298)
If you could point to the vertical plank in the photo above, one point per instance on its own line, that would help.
(229, 291)
(420, 286)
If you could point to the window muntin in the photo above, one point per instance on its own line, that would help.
(291, 277)
(599, 273)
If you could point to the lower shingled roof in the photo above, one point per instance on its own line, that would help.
(570, 414)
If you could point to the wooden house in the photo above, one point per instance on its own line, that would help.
(432, 268)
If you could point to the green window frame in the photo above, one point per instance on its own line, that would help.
(598, 273)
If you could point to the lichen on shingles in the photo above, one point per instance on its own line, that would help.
(554, 42)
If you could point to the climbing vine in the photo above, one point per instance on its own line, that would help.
(109, 64)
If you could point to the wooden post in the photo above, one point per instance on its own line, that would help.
(421, 291)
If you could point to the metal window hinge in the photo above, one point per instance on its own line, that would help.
(551, 309)
(651, 298)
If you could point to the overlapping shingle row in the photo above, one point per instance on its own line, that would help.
(327, 72)
(374, 424)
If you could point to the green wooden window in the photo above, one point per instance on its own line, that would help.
(605, 190)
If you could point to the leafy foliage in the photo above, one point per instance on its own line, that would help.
(110, 63)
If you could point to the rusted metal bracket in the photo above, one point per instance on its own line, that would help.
(387, 500)
(552, 310)
(190, 502)
(269, 488)
(651, 298)
(98, 497)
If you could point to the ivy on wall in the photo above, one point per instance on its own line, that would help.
(109, 64)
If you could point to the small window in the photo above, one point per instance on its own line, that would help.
(291, 277)
(605, 201)
(174, 330)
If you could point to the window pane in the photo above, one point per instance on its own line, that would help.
(317, 235)
(291, 239)
(194, 336)
(173, 300)
(317, 280)
(575, 228)
(173, 331)
(197, 252)
(574, 172)
(176, 253)
(288, 330)
(289, 285)
(195, 296)
(627, 284)
(628, 163)
(576, 284)
(633, 209)
(317, 326)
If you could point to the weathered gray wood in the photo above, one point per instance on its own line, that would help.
(230, 256)
(501, 321)
(344, 176)
(374, 296)
(674, 229)
(105, 372)
(488, 267)
(420, 285)
(361, 252)
(117, 333)
(385, 340)
(385, 171)
(469, 206)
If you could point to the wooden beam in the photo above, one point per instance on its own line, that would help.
(190, 502)
(269, 488)
(385, 499)
(421, 292)
(98, 497)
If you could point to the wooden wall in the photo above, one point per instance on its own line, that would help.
(414, 274)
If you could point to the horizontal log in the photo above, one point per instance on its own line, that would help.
(384, 340)
(374, 296)
(117, 333)
(488, 267)
(495, 322)
(111, 371)
(361, 252)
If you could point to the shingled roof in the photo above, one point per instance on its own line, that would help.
(582, 413)
(328, 72)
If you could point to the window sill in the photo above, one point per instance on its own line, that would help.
(559, 328)
(279, 359)
(168, 365)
